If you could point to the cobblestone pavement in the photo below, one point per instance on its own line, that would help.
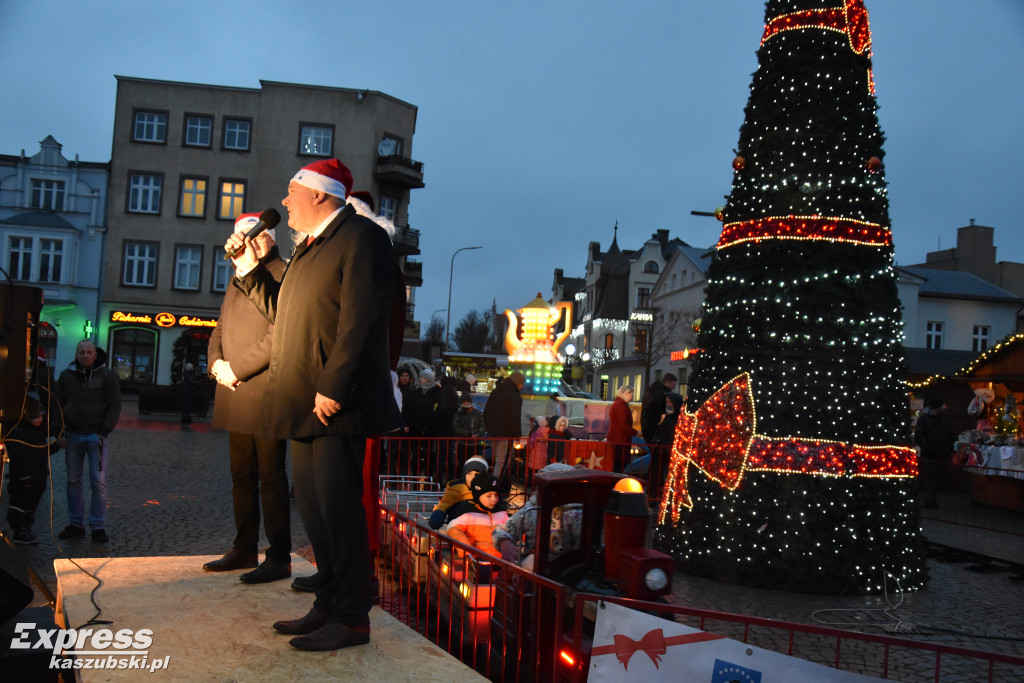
(170, 494)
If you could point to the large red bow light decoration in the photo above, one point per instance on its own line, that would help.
(721, 440)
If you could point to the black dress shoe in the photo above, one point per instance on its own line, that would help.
(233, 560)
(313, 620)
(332, 636)
(71, 531)
(269, 570)
(306, 584)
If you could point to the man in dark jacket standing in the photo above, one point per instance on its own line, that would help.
(652, 406)
(503, 418)
(90, 399)
(239, 355)
(329, 385)
(935, 439)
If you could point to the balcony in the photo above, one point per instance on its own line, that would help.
(399, 170)
(406, 241)
(413, 274)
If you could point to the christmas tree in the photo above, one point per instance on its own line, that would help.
(792, 467)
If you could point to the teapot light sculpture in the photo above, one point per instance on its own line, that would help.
(536, 353)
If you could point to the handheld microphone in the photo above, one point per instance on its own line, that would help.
(268, 219)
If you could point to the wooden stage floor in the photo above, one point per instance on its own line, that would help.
(210, 627)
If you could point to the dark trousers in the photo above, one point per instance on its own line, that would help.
(258, 475)
(28, 473)
(328, 476)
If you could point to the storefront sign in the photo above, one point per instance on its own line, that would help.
(163, 319)
(682, 355)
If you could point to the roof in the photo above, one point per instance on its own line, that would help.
(700, 257)
(39, 219)
(957, 284)
(936, 362)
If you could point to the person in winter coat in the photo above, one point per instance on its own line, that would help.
(666, 430)
(468, 427)
(458, 497)
(557, 436)
(476, 526)
(239, 356)
(28, 449)
(653, 405)
(620, 426)
(663, 437)
(89, 395)
(503, 419)
(932, 434)
(516, 539)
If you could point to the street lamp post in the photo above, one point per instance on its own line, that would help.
(451, 271)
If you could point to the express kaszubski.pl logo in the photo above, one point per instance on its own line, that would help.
(93, 648)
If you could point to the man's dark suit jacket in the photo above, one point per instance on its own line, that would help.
(243, 339)
(331, 313)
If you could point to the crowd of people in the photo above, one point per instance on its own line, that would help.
(305, 358)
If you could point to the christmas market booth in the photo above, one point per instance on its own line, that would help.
(982, 403)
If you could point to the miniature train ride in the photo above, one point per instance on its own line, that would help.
(494, 609)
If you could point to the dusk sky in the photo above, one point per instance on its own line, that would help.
(542, 124)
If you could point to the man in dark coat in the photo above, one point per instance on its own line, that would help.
(503, 418)
(239, 355)
(652, 406)
(89, 395)
(935, 439)
(329, 385)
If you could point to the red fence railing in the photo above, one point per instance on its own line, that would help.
(868, 654)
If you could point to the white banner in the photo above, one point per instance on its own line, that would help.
(633, 646)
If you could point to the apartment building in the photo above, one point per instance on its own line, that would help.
(52, 212)
(187, 159)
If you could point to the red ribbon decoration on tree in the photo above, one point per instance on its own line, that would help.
(851, 19)
(721, 440)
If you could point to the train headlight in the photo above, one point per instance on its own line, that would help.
(655, 579)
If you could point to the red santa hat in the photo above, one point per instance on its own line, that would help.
(247, 220)
(328, 175)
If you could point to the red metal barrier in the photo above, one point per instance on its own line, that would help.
(499, 619)
(863, 653)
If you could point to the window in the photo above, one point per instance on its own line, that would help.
(609, 341)
(150, 126)
(19, 265)
(651, 267)
(221, 270)
(139, 264)
(50, 256)
(390, 145)
(198, 130)
(232, 199)
(188, 259)
(387, 207)
(316, 139)
(48, 194)
(193, 197)
(236, 134)
(144, 193)
(980, 337)
(640, 340)
(24, 264)
(132, 354)
(643, 297)
(933, 335)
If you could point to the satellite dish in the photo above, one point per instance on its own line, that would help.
(387, 147)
